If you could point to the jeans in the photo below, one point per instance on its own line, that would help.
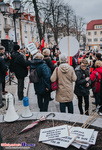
(43, 101)
(0, 93)
(69, 105)
(20, 88)
(86, 100)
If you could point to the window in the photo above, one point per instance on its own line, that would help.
(100, 32)
(89, 40)
(0, 34)
(95, 40)
(95, 33)
(89, 33)
(100, 39)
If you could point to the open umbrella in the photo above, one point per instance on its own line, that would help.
(35, 123)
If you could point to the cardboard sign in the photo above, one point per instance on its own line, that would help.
(32, 48)
(93, 138)
(53, 133)
(84, 135)
(62, 142)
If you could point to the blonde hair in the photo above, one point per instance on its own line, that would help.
(46, 52)
(39, 56)
(98, 64)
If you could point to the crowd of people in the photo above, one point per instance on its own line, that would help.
(51, 65)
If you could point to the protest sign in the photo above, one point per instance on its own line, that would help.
(69, 46)
(53, 133)
(84, 135)
(62, 142)
(32, 48)
(93, 138)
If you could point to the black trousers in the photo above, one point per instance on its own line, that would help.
(86, 100)
(20, 88)
(43, 101)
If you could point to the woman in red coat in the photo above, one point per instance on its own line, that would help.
(95, 77)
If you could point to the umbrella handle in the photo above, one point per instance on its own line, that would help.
(50, 115)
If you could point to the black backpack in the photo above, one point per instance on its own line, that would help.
(33, 76)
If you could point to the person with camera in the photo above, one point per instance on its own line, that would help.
(82, 85)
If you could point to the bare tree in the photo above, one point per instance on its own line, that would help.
(78, 25)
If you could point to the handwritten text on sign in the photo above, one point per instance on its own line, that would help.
(32, 48)
(53, 133)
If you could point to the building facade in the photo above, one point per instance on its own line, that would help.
(26, 28)
(94, 35)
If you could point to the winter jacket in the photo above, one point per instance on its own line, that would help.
(44, 74)
(97, 81)
(80, 84)
(49, 63)
(19, 65)
(66, 76)
(2, 69)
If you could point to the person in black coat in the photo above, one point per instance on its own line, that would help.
(43, 86)
(82, 85)
(2, 73)
(19, 68)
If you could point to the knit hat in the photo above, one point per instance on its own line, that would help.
(46, 52)
(16, 47)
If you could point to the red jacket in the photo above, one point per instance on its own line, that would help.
(96, 82)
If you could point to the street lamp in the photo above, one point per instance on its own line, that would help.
(17, 11)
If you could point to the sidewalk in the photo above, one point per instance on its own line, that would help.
(53, 106)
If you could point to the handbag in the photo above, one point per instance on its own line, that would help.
(54, 85)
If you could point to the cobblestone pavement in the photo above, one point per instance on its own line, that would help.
(53, 105)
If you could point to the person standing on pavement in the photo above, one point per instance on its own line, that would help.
(66, 76)
(95, 77)
(43, 86)
(82, 85)
(20, 69)
(2, 73)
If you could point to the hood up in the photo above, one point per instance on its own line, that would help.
(64, 67)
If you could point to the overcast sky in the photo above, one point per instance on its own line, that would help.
(88, 9)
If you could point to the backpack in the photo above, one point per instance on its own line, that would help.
(33, 76)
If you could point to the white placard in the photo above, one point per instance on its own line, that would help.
(69, 46)
(62, 142)
(32, 48)
(93, 138)
(78, 146)
(84, 135)
(53, 133)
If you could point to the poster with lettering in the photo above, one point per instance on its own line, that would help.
(62, 142)
(93, 138)
(84, 135)
(32, 48)
(53, 133)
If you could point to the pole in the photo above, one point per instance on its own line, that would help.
(14, 19)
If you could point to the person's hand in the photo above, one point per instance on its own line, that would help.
(87, 79)
(87, 84)
(47, 89)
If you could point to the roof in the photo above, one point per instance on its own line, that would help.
(91, 24)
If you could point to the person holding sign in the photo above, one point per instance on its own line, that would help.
(66, 76)
(82, 85)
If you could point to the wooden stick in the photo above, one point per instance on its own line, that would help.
(93, 120)
(89, 119)
(52, 118)
(92, 117)
(78, 120)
